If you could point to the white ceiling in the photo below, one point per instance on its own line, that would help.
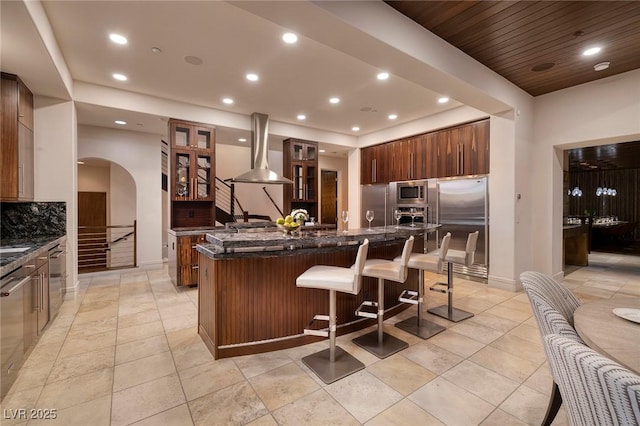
(230, 41)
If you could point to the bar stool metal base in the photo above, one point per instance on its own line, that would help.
(389, 345)
(344, 364)
(424, 329)
(452, 314)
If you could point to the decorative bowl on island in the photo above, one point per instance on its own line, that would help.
(288, 228)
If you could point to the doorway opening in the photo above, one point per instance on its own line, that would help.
(329, 197)
(106, 216)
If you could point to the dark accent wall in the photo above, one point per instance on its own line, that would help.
(32, 219)
(625, 205)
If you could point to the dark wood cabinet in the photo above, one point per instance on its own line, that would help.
(192, 176)
(458, 151)
(183, 258)
(16, 149)
(376, 164)
(301, 166)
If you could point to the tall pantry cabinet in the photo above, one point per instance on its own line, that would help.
(16, 150)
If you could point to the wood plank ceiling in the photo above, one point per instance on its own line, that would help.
(605, 157)
(537, 45)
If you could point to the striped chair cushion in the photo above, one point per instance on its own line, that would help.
(594, 389)
(542, 287)
(551, 321)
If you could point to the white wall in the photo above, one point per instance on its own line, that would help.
(340, 165)
(55, 156)
(122, 191)
(595, 113)
(139, 154)
(232, 160)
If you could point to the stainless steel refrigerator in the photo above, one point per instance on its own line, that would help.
(374, 197)
(462, 208)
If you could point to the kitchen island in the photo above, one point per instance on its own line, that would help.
(248, 301)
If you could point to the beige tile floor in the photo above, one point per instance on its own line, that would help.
(124, 350)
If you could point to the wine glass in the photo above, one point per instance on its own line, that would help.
(369, 217)
(397, 214)
(345, 219)
(413, 212)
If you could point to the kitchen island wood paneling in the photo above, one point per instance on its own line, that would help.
(248, 301)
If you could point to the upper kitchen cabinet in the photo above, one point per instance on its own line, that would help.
(407, 159)
(375, 164)
(192, 174)
(301, 166)
(16, 151)
(458, 151)
(463, 150)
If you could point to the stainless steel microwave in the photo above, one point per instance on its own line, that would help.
(412, 192)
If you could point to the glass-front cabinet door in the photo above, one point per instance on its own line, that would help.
(181, 135)
(301, 151)
(182, 176)
(203, 138)
(203, 177)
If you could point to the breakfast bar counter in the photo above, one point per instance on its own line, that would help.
(248, 301)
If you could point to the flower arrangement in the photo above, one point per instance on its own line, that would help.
(300, 215)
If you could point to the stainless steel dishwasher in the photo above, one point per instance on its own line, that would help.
(12, 328)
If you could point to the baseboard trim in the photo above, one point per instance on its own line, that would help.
(559, 276)
(504, 283)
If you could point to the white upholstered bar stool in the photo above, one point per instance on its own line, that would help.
(459, 257)
(378, 342)
(423, 262)
(333, 363)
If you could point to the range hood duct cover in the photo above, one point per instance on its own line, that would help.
(260, 172)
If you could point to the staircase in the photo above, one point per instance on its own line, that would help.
(229, 209)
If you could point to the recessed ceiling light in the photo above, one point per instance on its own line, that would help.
(334, 100)
(193, 60)
(227, 101)
(322, 150)
(592, 51)
(252, 77)
(443, 100)
(393, 116)
(120, 122)
(117, 38)
(355, 128)
(242, 140)
(120, 77)
(80, 162)
(383, 76)
(601, 66)
(289, 38)
(301, 117)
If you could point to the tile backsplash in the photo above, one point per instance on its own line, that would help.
(32, 219)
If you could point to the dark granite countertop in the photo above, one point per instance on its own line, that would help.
(13, 260)
(225, 245)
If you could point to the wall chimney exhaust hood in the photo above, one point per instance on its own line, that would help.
(260, 172)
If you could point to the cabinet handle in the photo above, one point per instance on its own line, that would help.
(21, 180)
(42, 292)
(195, 267)
(461, 159)
(37, 295)
(374, 171)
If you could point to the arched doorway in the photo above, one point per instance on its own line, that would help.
(106, 216)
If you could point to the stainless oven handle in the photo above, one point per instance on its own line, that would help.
(22, 282)
(57, 254)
